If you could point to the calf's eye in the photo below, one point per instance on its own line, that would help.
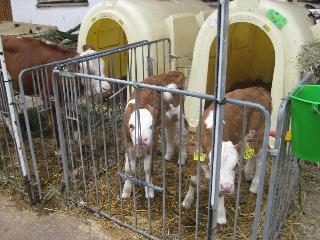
(131, 127)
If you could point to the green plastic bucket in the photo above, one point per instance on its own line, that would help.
(305, 122)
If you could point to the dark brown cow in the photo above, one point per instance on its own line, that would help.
(22, 53)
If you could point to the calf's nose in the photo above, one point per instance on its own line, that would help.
(143, 141)
(106, 88)
(227, 188)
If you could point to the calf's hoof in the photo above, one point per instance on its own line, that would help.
(254, 187)
(186, 203)
(168, 156)
(57, 153)
(182, 161)
(222, 220)
(125, 195)
(149, 192)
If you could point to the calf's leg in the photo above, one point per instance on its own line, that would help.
(170, 135)
(255, 180)
(183, 132)
(249, 169)
(147, 165)
(221, 216)
(189, 198)
(130, 169)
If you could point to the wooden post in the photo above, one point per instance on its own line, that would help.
(5, 10)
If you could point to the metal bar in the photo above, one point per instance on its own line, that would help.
(262, 169)
(60, 130)
(151, 158)
(30, 141)
(243, 133)
(94, 170)
(164, 213)
(137, 120)
(221, 67)
(105, 150)
(140, 182)
(81, 149)
(80, 59)
(157, 58)
(128, 226)
(153, 87)
(42, 99)
(135, 64)
(15, 121)
(181, 142)
(198, 170)
(71, 104)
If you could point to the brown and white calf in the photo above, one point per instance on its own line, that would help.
(142, 119)
(233, 122)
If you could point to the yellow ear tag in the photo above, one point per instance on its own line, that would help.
(202, 156)
(288, 136)
(248, 153)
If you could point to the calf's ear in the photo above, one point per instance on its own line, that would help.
(154, 112)
(237, 146)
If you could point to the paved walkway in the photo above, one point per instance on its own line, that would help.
(22, 223)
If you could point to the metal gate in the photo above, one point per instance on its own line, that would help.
(285, 171)
(10, 167)
(39, 129)
(12, 154)
(90, 168)
(93, 146)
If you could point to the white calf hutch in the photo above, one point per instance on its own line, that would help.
(113, 23)
(258, 49)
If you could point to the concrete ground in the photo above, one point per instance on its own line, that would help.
(19, 221)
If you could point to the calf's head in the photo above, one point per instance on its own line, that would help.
(140, 126)
(229, 160)
(94, 67)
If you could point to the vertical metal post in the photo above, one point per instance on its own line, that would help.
(221, 67)
(60, 131)
(15, 123)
